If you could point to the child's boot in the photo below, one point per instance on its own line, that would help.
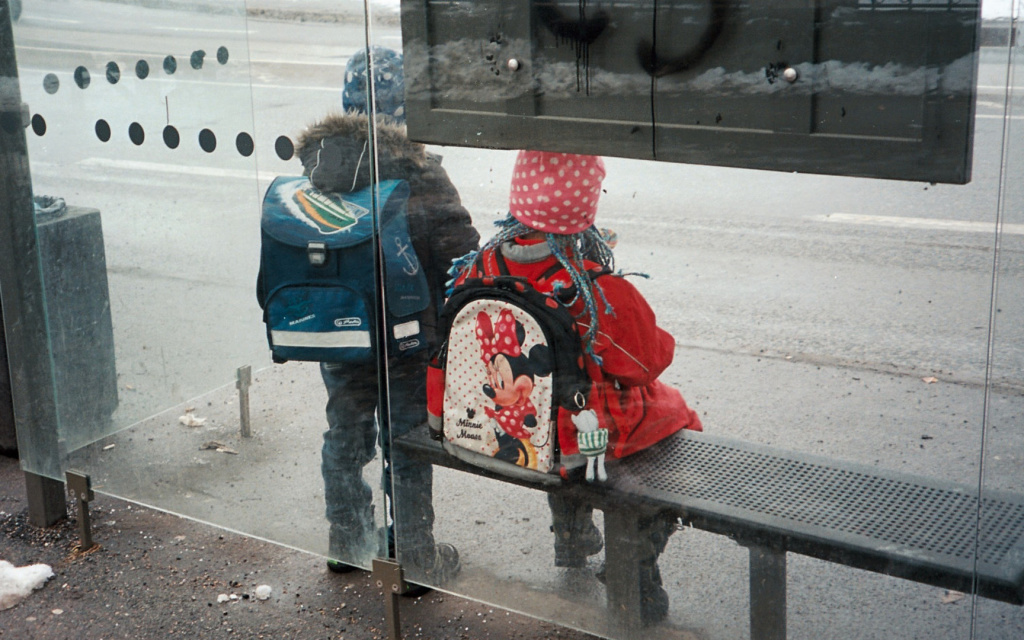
(654, 532)
(353, 545)
(576, 535)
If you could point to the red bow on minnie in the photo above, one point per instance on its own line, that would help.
(497, 339)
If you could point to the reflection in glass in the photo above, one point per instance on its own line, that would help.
(113, 72)
(51, 83)
(82, 77)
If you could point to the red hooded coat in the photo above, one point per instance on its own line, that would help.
(631, 403)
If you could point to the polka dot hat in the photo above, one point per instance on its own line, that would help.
(556, 192)
(388, 81)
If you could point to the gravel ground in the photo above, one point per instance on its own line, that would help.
(155, 575)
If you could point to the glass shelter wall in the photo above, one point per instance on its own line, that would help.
(161, 127)
(1002, 454)
(856, 323)
(837, 319)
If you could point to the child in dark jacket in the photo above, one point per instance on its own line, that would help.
(552, 205)
(337, 157)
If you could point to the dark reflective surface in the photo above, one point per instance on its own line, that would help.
(850, 88)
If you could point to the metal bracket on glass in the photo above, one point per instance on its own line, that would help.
(80, 486)
(243, 380)
(389, 577)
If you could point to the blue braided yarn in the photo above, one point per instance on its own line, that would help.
(508, 229)
(570, 251)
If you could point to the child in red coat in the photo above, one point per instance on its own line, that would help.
(549, 238)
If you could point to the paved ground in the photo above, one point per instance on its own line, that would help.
(155, 576)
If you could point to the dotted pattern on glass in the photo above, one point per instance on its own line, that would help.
(206, 138)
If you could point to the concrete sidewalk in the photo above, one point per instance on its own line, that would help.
(155, 575)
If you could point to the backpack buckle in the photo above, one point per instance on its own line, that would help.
(317, 253)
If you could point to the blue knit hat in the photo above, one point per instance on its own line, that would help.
(388, 81)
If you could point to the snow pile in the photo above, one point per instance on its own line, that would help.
(17, 582)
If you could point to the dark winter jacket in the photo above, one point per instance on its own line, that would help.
(336, 155)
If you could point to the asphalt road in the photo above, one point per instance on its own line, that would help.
(839, 316)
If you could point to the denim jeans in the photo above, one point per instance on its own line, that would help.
(350, 444)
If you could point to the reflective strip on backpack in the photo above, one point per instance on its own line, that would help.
(325, 339)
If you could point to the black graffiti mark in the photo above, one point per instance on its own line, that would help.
(658, 66)
(581, 32)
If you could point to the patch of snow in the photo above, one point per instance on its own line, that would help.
(16, 583)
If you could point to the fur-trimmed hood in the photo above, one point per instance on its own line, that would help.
(335, 152)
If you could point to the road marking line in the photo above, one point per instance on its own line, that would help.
(163, 167)
(137, 54)
(194, 30)
(920, 223)
(48, 19)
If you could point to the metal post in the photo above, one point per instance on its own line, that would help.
(389, 578)
(622, 569)
(767, 593)
(46, 504)
(242, 382)
(24, 313)
(80, 486)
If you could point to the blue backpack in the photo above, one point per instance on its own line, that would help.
(316, 280)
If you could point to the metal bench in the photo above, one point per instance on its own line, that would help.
(775, 502)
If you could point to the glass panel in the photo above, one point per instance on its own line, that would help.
(826, 328)
(1002, 452)
(161, 129)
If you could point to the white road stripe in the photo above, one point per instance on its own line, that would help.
(48, 19)
(163, 167)
(920, 223)
(195, 30)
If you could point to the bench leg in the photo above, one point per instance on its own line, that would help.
(622, 568)
(767, 594)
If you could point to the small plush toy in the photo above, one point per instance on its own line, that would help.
(593, 442)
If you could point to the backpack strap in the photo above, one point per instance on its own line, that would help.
(550, 272)
(499, 259)
(478, 269)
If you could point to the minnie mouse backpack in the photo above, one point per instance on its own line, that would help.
(505, 386)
